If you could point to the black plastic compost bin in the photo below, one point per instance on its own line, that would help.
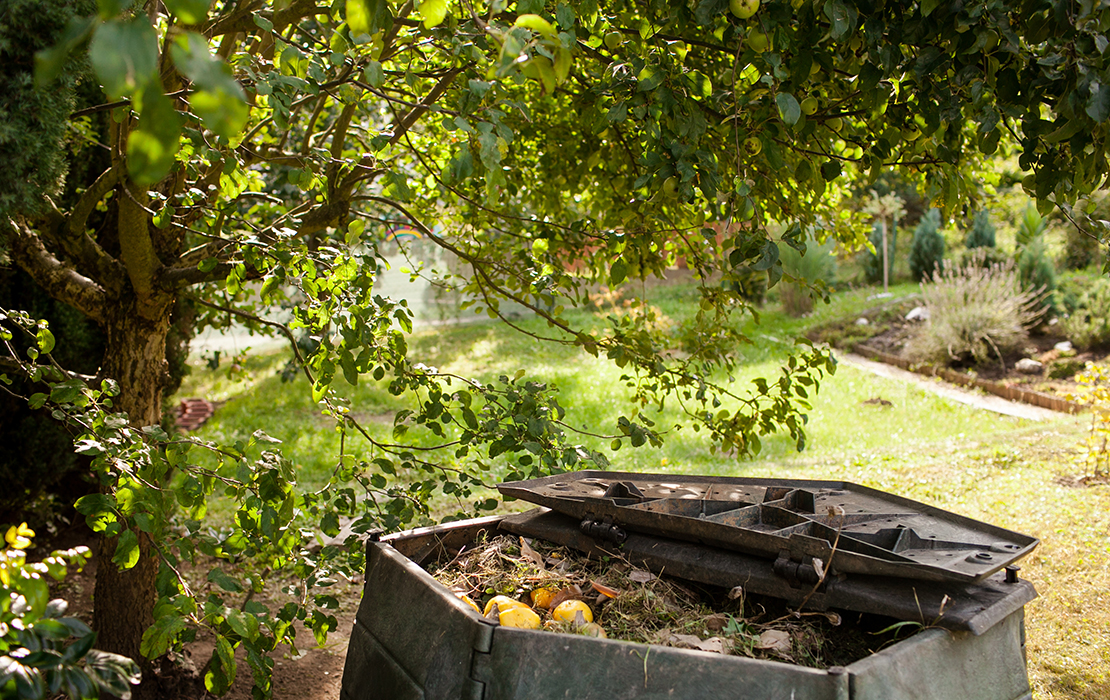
(413, 638)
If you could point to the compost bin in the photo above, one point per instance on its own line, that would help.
(827, 545)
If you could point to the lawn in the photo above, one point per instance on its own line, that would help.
(1006, 471)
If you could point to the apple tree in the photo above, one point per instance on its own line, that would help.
(182, 163)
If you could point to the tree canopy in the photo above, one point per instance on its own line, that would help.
(224, 157)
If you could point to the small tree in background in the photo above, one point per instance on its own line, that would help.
(981, 233)
(1035, 268)
(885, 208)
(928, 247)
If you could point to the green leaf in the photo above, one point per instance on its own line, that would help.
(618, 272)
(124, 55)
(45, 340)
(700, 84)
(127, 550)
(220, 101)
(221, 669)
(368, 16)
(220, 577)
(536, 24)
(190, 11)
(841, 16)
(433, 12)
(245, 625)
(927, 7)
(159, 636)
(768, 257)
(1098, 104)
(374, 75)
(562, 64)
(154, 143)
(94, 503)
(789, 109)
(67, 391)
(830, 170)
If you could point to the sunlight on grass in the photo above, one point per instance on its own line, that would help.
(1002, 470)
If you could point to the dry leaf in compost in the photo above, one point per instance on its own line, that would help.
(775, 640)
(568, 593)
(736, 592)
(687, 641)
(717, 645)
(604, 590)
(716, 622)
(530, 554)
(641, 576)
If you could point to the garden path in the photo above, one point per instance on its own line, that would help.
(971, 398)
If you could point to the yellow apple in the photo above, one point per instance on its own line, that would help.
(759, 42)
(743, 8)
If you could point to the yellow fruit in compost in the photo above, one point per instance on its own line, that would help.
(542, 597)
(521, 616)
(503, 603)
(568, 610)
(466, 599)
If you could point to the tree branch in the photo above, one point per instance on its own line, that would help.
(59, 280)
(416, 112)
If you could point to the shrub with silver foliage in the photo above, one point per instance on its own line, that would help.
(975, 312)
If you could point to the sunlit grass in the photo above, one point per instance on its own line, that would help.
(983, 465)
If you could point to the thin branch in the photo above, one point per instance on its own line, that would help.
(273, 324)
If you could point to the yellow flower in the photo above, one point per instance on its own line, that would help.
(19, 537)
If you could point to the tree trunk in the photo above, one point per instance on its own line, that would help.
(124, 600)
(886, 262)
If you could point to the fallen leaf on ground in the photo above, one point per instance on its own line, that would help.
(716, 645)
(736, 592)
(641, 576)
(775, 640)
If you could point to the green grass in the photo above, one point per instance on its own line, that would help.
(1002, 470)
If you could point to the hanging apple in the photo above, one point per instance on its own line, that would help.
(743, 8)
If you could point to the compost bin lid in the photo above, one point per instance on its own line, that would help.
(848, 527)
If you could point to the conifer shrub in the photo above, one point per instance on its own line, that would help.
(975, 313)
(1035, 267)
(927, 252)
(981, 233)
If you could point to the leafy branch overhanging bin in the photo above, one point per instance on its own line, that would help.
(824, 544)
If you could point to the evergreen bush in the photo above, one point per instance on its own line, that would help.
(927, 252)
(1035, 267)
(981, 233)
